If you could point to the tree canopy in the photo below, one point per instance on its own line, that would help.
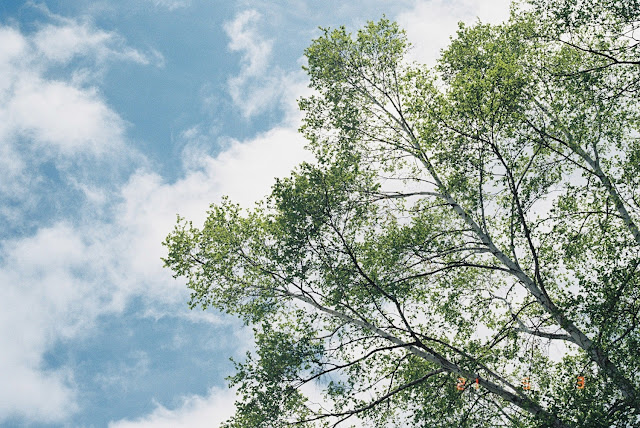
(464, 251)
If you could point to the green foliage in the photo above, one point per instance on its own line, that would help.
(473, 221)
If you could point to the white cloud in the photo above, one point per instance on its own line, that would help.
(244, 172)
(65, 121)
(245, 38)
(69, 38)
(43, 396)
(259, 85)
(12, 50)
(61, 43)
(62, 114)
(211, 411)
(57, 115)
(58, 280)
(53, 114)
(62, 278)
(195, 412)
(171, 4)
(11, 167)
(44, 297)
(430, 24)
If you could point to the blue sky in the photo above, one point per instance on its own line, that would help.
(114, 117)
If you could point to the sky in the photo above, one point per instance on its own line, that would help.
(115, 116)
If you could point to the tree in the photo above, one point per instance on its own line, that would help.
(465, 249)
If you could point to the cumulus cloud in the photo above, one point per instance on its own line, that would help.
(246, 39)
(56, 281)
(61, 279)
(244, 171)
(64, 277)
(171, 4)
(430, 24)
(56, 120)
(44, 296)
(194, 412)
(211, 411)
(61, 43)
(62, 117)
(259, 85)
(62, 113)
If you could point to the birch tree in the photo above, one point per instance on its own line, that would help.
(463, 252)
